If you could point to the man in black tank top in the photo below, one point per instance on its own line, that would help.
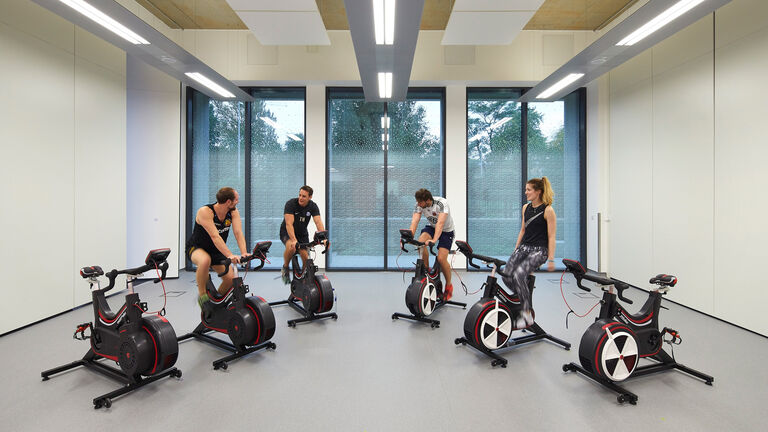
(207, 246)
(296, 216)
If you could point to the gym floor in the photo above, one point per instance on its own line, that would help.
(366, 372)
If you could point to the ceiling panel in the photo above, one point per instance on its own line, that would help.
(496, 5)
(551, 15)
(272, 5)
(280, 28)
(484, 28)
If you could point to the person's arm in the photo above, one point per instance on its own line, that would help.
(415, 222)
(289, 226)
(551, 218)
(205, 219)
(237, 227)
(439, 227)
(318, 222)
(522, 229)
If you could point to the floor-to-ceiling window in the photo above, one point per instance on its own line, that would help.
(494, 169)
(555, 150)
(379, 154)
(256, 147)
(509, 143)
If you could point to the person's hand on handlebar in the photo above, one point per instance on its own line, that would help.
(431, 242)
(234, 259)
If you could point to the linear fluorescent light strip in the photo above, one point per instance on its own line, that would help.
(559, 85)
(202, 79)
(270, 122)
(385, 85)
(660, 21)
(500, 122)
(106, 21)
(384, 21)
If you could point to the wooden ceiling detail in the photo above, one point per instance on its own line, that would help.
(576, 14)
(553, 14)
(195, 14)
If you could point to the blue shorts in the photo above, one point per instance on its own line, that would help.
(446, 238)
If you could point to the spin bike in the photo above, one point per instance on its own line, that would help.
(248, 321)
(311, 294)
(144, 347)
(491, 321)
(425, 293)
(613, 345)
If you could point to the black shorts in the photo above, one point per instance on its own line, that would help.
(446, 238)
(216, 257)
(300, 237)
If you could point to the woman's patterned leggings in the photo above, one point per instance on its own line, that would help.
(524, 261)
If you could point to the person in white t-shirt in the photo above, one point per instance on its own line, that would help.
(439, 230)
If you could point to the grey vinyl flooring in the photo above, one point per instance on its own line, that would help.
(366, 372)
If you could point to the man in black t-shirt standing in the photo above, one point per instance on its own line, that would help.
(296, 217)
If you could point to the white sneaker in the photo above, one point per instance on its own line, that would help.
(524, 319)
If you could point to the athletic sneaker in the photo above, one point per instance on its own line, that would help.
(284, 275)
(448, 292)
(525, 319)
(202, 299)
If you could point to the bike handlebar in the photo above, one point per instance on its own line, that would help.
(259, 253)
(466, 249)
(406, 237)
(113, 274)
(580, 272)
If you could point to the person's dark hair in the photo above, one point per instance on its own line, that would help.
(224, 194)
(308, 189)
(423, 195)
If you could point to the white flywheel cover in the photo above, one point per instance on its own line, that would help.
(619, 355)
(495, 328)
(428, 298)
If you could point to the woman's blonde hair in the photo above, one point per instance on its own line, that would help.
(542, 185)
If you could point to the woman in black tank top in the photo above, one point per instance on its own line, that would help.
(535, 244)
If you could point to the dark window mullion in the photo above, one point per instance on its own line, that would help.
(524, 147)
(385, 148)
(245, 213)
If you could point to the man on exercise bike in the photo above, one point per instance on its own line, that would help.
(207, 247)
(439, 230)
(293, 230)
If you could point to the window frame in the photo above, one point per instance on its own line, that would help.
(582, 94)
(441, 92)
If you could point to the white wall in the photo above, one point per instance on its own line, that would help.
(153, 161)
(315, 159)
(62, 136)
(686, 148)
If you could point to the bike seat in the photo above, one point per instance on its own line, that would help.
(92, 271)
(664, 280)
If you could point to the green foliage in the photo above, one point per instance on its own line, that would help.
(357, 124)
